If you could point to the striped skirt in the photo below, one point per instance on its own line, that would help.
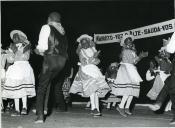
(20, 81)
(127, 81)
(87, 83)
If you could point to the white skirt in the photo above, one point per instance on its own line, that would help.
(127, 81)
(89, 80)
(20, 81)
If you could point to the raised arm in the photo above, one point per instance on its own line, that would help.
(141, 56)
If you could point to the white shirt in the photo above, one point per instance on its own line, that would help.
(171, 45)
(43, 38)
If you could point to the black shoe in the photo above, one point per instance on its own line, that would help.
(121, 111)
(172, 122)
(127, 111)
(96, 113)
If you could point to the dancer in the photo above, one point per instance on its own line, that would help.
(169, 87)
(2, 72)
(163, 71)
(20, 81)
(128, 80)
(52, 45)
(7, 57)
(110, 75)
(89, 81)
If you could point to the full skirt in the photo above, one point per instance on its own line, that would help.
(20, 81)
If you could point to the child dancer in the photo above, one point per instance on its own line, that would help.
(6, 57)
(89, 81)
(19, 76)
(128, 80)
(110, 75)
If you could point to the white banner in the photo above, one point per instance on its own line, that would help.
(138, 33)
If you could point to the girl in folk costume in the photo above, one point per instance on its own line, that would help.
(127, 83)
(20, 81)
(164, 71)
(2, 72)
(110, 75)
(6, 57)
(89, 81)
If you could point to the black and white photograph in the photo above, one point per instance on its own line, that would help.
(80, 63)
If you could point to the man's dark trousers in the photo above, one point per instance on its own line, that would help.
(52, 66)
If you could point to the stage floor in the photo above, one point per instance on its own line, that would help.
(78, 116)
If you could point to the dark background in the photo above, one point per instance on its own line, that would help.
(89, 17)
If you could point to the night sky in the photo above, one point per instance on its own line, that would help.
(89, 17)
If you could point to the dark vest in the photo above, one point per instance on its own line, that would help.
(57, 43)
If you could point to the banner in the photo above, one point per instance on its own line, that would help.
(138, 33)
